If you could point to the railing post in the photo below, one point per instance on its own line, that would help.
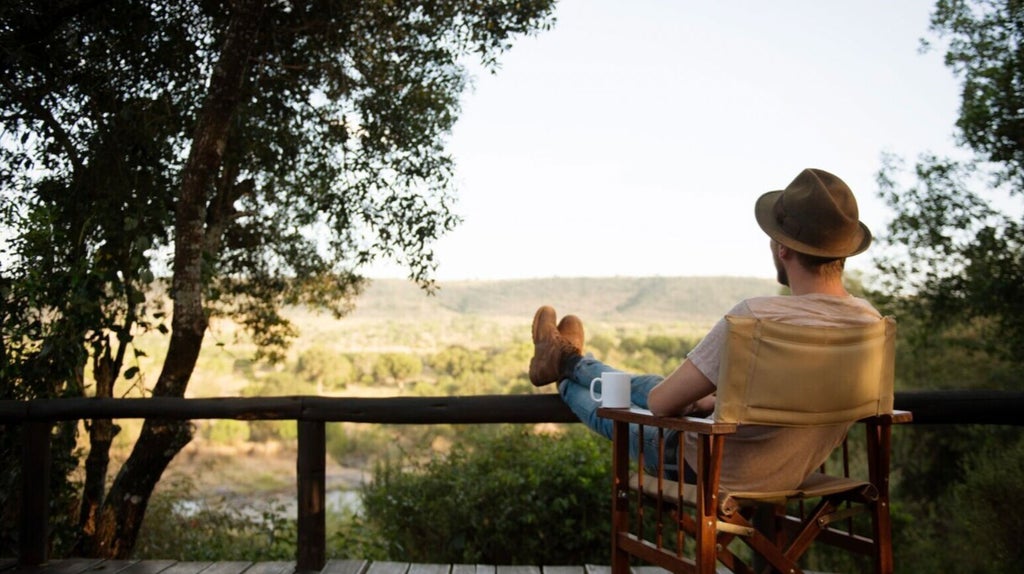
(311, 464)
(35, 493)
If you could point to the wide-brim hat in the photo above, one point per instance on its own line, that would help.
(816, 214)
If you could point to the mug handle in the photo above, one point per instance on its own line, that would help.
(596, 398)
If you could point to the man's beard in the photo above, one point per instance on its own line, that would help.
(780, 272)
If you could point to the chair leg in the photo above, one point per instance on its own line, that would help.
(708, 474)
(879, 443)
(620, 496)
(883, 537)
(706, 549)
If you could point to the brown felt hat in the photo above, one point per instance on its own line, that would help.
(816, 214)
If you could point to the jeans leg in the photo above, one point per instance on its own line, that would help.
(589, 368)
(575, 391)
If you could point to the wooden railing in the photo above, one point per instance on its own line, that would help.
(313, 412)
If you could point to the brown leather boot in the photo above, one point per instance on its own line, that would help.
(571, 328)
(550, 348)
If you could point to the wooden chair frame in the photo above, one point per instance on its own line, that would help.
(713, 518)
(764, 361)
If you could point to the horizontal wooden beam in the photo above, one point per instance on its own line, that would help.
(963, 407)
(929, 407)
(474, 409)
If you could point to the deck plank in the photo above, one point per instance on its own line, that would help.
(388, 568)
(112, 566)
(97, 566)
(279, 567)
(68, 566)
(188, 567)
(429, 568)
(473, 569)
(502, 569)
(232, 567)
(148, 567)
(346, 567)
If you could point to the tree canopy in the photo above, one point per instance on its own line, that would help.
(258, 153)
(953, 271)
(957, 239)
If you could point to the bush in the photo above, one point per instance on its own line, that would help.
(986, 508)
(227, 431)
(356, 444)
(349, 537)
(180, 526)
(507, 496)
(324, 368)
(969, 518)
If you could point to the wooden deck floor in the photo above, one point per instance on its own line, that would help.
(91, 566)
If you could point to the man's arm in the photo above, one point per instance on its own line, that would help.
(685, 391)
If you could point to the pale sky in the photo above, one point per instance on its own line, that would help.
(633, 138)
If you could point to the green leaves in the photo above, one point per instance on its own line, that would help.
(262, 152)
(985, 50)
(952, 265)
(501, 496)
(955, 248)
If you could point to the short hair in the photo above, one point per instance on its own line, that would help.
(821, 266)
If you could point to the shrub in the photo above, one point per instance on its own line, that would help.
(227, 431)
(504, 497)
(324, 368)
(965, 516)
(397, 367)
(180, 526)
(349, 537)
(985, 509)
(355, 445)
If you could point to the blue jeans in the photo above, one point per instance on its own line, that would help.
(575, 391)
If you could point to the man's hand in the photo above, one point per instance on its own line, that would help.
(704, 406)
(681, 392)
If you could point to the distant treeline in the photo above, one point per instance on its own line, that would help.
(611, 299)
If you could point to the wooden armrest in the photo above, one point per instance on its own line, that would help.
(897, 417)
(902, 417)
(646, 418)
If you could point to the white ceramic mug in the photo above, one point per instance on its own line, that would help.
(614, 390)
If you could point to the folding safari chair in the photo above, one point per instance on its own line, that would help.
(778, 375)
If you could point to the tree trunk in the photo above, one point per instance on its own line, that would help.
(119, 519)
(101, 436)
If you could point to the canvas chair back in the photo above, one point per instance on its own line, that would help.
(795, 375)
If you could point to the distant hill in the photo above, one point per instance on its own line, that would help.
(616, 299)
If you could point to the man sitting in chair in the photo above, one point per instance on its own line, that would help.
(814, 226)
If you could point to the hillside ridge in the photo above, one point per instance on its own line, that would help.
(613, 299)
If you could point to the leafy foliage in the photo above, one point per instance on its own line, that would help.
(963, 520)
(261, 152)
(953, 271)
(181, 526)
(986, 50)
(954, 262)
(506, 497)
(981, 504)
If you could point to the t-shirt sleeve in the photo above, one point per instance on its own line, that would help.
(707, 355)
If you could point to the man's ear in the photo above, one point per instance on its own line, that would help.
(784, 252)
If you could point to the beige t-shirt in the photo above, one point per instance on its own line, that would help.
(777, 458)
